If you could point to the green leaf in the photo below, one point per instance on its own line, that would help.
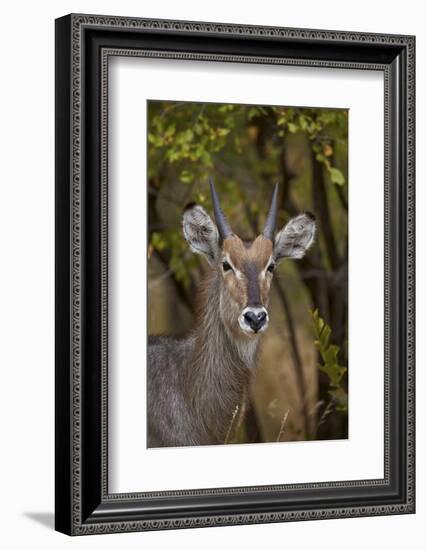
(186, 176)
(330, 367)
(170, 131)
(252, 113)
(158, 241)
(222, 131)
(336, 176)
(340, 398)
(320, 157)
(324, 334)
(303, 121)
(330, 355)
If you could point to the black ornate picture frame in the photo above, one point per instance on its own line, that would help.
(84, 44)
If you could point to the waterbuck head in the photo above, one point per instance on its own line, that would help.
(245, 269)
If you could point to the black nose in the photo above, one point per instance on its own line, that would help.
(255, 320)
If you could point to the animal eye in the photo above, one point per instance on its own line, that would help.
(226, 266)
(271, 267)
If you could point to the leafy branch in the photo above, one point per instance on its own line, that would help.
(330, 366)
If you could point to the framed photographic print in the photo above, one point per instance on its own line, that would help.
(234, 274)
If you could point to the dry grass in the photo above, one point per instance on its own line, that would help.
(232, 425)
(283, 423)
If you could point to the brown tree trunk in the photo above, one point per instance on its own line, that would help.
(334, 300)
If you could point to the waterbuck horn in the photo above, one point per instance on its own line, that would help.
(221, 222)
(271, 220)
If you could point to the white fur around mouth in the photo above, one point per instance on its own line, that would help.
(246, 328)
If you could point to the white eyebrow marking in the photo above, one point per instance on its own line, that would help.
(237, 272)
(262, 274)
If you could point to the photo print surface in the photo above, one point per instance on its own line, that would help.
(247, 274)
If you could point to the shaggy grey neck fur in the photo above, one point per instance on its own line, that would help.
(196, 383)
(219, 372)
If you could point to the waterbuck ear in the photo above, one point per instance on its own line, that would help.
(295, 238)
(200, 232)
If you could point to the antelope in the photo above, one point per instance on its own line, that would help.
(197, 383)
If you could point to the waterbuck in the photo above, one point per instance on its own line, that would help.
(197, 383)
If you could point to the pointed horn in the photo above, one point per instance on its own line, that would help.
(271, 220)
(221, 222)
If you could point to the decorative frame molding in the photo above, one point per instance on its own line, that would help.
(84, 44)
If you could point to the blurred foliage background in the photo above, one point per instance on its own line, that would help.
(300, 389)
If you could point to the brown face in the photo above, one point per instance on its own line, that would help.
(247, 275)
(245, 271)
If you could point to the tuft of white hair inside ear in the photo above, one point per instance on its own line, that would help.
(200, 232)
(295, 238)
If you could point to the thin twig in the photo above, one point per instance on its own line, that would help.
(327, 411)
(316, 408)
(283, 423)
(231, 425)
